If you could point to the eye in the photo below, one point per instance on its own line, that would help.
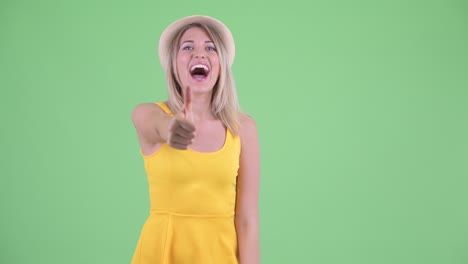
(188, 47)
(211, 48)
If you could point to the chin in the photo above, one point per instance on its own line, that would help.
(201, 88)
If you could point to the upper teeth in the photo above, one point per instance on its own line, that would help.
(199, 66)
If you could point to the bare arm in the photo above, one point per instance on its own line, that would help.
(247, 223)
(151, 123)
(154, 126)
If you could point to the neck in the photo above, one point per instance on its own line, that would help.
(201, 106)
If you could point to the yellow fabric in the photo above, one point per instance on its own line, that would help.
(192, 197)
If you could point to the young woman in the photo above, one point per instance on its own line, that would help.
(201, 154)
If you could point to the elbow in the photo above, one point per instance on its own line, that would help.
(247, 224)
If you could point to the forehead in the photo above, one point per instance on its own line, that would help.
(195, 33)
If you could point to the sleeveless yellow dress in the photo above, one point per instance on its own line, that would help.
(192, 201)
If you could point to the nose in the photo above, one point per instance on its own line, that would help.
(199, 53)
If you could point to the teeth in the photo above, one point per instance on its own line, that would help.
(199, 66)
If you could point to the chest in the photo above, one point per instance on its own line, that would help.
(210, 136)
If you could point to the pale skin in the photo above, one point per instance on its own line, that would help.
(199, 129)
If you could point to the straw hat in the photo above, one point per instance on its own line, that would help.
(170, 32)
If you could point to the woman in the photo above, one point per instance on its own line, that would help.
(201, 154)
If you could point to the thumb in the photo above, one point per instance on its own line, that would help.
(187, 94)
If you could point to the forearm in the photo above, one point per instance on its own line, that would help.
(152, 123)
(162, 122)
(248, 242)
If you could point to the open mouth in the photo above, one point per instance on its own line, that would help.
(199, 72)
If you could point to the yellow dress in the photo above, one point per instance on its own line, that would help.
(192, 199)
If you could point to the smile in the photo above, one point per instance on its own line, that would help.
(199, 72)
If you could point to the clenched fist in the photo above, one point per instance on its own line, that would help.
(181, 128)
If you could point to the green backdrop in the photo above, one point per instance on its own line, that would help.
(361, 106)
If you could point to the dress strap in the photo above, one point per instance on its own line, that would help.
(165, 108)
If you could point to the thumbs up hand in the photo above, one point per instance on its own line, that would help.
(181, 127)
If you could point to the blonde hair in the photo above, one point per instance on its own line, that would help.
(224, 102)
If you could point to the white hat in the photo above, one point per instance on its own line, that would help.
(170, 32)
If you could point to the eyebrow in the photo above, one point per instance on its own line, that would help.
(191, 41)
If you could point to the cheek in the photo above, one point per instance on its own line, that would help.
(181, 60)
(180, 64)
(215, 64)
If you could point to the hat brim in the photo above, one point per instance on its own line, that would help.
(170, 32)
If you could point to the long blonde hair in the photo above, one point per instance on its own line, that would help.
(224, 102)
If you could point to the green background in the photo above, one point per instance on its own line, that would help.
(361, 106)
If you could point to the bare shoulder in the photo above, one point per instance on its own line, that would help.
(142, 111)
(247, 128)
(146, 117)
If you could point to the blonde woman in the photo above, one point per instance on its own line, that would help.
(201, 155)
